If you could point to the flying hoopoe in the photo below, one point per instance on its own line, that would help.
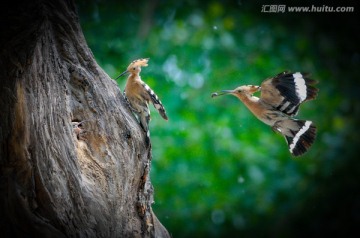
(279, 102)
(139, 94)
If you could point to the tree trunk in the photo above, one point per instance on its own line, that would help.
(73, 159)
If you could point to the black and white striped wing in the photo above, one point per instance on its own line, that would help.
(286, 91)
(155, 100)
(299, 134)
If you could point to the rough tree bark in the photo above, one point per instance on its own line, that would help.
(56, 180)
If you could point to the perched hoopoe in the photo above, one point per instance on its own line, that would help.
(139, 94)
(280, 99)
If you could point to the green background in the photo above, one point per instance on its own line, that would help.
(218, 171)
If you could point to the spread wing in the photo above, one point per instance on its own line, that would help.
(286, 91)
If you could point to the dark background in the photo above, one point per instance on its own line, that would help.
(216, 169)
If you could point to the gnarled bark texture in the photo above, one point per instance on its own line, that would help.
(60, 178)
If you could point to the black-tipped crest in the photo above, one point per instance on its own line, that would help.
(135, 63)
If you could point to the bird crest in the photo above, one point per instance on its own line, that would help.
(139, 63)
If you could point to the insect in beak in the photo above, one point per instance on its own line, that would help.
(223, 92)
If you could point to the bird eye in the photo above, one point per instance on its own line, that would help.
(134, 68)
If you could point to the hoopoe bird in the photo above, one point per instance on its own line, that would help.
(139, 94)
(78, 129)
(279, 102)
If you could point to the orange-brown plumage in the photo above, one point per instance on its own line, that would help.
(280, 99)
(139, 94)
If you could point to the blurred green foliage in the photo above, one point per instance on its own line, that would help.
(217, 170)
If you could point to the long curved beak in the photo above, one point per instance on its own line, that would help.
(123, 73)
(222, 92)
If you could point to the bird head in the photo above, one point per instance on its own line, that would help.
(135, 67)
(246, 89)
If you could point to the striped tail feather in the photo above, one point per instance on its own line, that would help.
(158, 105)
(299, 134)
(155, 101)
(302, 139)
